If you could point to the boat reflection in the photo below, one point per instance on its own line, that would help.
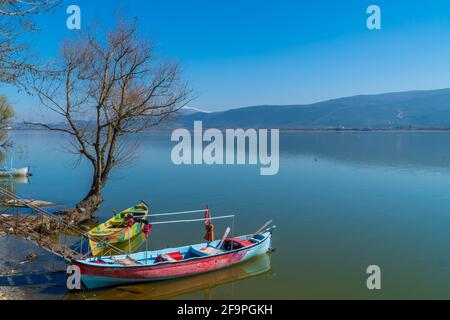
(13, 180)
(173, 288)
(9, 184)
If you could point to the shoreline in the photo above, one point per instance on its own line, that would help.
(362, 130)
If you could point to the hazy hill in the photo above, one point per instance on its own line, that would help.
(417, 109)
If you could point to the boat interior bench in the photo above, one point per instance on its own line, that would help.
(171, 256)
(236, 243)
(205, 251)
(127, 261)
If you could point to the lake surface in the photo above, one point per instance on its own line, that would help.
(341, 202)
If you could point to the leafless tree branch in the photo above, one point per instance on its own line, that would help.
(106, 89)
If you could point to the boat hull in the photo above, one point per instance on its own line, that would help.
(170, 289)
(101, 276)
(127, 240)
(114, 233)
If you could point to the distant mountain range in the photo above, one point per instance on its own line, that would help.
(426, 109)
(399, 110)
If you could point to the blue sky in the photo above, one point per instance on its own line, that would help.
(238, 53)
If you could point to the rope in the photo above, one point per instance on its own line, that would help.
(175, 213)
(192, 220)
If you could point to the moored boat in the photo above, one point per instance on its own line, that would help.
(97, 272)
(204, 282)
(15, 172)
(124, 231)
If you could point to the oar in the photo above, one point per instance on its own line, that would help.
(262, 228)
(225, 235)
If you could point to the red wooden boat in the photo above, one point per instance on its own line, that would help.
(97, 272)
(197, 284)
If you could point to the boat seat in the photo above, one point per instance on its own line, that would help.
(128, 262)
(236, 243)
(164, 257)
(205, 251)
(172, 256)
(100, 261)
(210, 250)
(138, 212)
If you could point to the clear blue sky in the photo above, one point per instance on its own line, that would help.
(248, 52)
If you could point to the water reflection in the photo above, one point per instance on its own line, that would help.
(429, 150)
(10, 184)
(369, 198)
(10, 181)
(203, 283)
(45, 284)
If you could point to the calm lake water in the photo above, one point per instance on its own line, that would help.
(341, 202)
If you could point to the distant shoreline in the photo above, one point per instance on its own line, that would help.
(287, 129)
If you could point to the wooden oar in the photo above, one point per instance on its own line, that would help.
(262, 228)
(225, 235)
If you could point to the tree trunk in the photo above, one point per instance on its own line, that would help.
(84, 210)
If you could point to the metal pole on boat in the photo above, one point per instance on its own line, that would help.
(262, 228)
(146, 248)
(175, 213)
(232, 232)
(192, 220)
(225, 235)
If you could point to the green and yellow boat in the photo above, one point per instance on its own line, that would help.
(124, 231)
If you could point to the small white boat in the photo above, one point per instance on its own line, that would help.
(16, 172)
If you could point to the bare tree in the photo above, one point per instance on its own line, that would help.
(16, 19)
(106, 90)
(26, 7)
(6, 114)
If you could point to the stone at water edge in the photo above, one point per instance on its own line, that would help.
(32, 256)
